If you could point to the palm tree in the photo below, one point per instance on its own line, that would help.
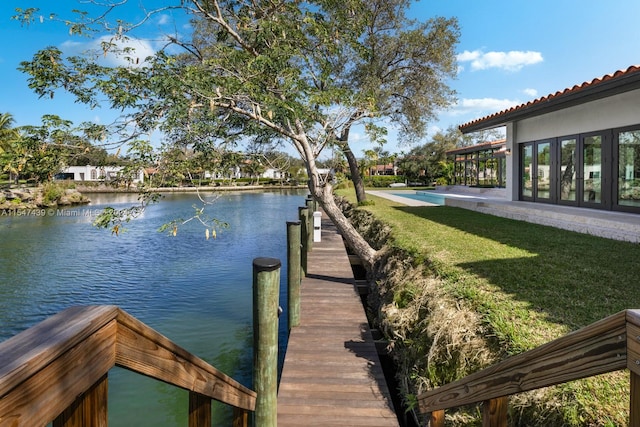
(8, 134)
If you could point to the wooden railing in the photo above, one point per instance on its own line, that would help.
(57, 370)
(608, 345)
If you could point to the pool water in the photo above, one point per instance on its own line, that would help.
(425, 196)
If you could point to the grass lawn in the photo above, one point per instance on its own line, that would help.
(547, 278)
(530, 283)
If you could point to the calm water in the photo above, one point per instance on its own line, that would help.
(195, 291)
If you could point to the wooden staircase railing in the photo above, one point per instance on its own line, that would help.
(57, 370)
(608, 345)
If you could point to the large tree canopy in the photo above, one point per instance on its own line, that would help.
(301, 72)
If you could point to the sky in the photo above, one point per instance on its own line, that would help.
(510, 52)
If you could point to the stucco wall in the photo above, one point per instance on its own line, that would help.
(616, 111)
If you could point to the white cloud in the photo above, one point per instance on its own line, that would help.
(531, 92)
(481, 106)
(164, 19)
(511, 61)
(141, 50)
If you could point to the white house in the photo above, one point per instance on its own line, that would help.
(95, 173)
(579, 146)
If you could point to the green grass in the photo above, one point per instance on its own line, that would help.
(529, 283)
(539, 275)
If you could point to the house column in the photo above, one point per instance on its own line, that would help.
(513, 160)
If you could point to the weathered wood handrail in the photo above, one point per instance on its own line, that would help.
(45, 369)
(608, 345)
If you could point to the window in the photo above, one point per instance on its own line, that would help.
(629, 168)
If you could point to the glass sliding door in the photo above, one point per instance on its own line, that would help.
(592, 169)
(543, 171)
(629, 168)
(568, 167)
(526, 170)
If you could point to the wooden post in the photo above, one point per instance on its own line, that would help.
(240, 418)
(304, 238)
(293, 272)
(313, 205)
(266, 289)
(634, 404)
(494, 412)
(310, 209)
(88, 410)
(199, 410)
(436, 419)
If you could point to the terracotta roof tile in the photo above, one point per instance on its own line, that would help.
(551, 97)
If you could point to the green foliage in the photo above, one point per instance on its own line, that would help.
(51, 193)
(298, 72)
(429, 161)
(380, 181)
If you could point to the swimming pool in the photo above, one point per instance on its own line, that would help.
(425, 196)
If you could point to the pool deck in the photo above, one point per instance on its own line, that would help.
(608, 224)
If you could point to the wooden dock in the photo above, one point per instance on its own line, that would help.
(332, 374)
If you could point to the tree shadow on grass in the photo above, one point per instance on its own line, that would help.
(575, 279)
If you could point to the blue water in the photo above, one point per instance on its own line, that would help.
(195, 291)
(436, 199)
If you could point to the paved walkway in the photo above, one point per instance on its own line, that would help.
(332, 374)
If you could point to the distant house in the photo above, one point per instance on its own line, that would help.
(578, 147)
(272, 173)
(388, 169)
(95, 173)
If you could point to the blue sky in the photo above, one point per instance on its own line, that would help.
(510, 52)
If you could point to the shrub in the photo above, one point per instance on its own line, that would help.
(379, 181)
(52, 193)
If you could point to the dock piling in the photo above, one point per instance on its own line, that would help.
(266, 289)
(303, 214)
(293, 272)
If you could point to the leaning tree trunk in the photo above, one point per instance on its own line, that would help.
(324, 195)
(322, 192)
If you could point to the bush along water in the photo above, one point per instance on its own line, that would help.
(435, 337)
(47, 195)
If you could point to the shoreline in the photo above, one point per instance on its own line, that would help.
(31, 201)
(107, 189)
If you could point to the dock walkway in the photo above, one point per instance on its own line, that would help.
(332, 374)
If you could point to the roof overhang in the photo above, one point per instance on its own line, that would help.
(610, 85)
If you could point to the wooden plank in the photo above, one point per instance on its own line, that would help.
(88, 410)
(332, 374)
(44, 369)
(436, 419)
(35, 348)
(145, 351)
(240, 418)
(494, 412)
(593, 350)
(199, 410)
(634, 404)
(49, 391)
